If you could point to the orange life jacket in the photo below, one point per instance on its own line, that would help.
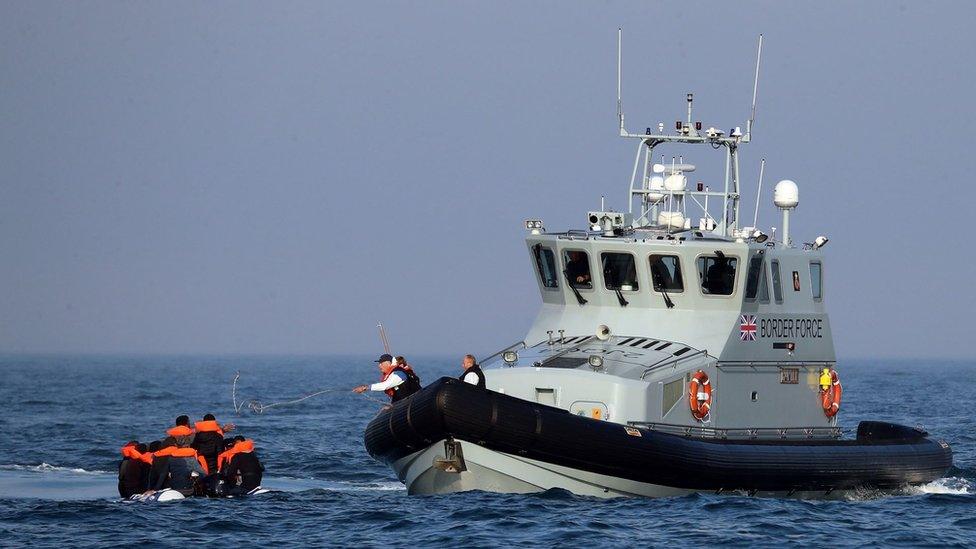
(209, 426)
(180, 431)
(407, 384)
(131, 453)
(173, 451)
(242, 447)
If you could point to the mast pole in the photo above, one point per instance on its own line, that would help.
(755, 217)
(735, 185)
(620, 109)
(755, 92)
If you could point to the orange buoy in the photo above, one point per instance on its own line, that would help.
(830, 394)
(700, 395)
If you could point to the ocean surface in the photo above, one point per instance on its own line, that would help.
(63, 420)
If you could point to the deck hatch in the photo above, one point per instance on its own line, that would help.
(564, 362)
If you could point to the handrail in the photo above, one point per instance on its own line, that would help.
(670, 360)
(522, 343)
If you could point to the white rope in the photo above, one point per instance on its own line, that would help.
(259, 408)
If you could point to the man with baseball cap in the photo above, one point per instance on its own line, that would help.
(397, 381)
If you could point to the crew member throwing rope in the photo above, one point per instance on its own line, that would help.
(397, 381)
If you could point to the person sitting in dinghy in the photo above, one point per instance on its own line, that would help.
(244, 471)
(182, 468)
(134, 469)
(180, 430)
(209, 439)
(398, 380)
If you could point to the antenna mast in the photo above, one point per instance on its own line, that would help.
(755, 91)
(620, 109)
(755, 217)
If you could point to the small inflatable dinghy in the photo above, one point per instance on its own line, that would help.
(159, 496)
(453, 436)
(162, 496)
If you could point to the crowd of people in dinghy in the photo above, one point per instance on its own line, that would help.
(197, 461)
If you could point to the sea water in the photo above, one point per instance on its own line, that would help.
(63, 420)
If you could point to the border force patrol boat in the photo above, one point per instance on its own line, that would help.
(669, 356)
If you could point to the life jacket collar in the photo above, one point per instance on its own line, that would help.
(131, 452)
(180, 431)
(244, 447)
(209, 426)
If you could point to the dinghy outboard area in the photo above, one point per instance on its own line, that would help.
(677, 348)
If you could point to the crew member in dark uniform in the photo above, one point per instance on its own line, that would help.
(578, 270)
(472, 372)
(397, 381)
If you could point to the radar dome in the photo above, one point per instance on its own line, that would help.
(676, 182)
(674, 220)
(786, 195)
(657, 184)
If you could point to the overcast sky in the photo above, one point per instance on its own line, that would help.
(275, 177)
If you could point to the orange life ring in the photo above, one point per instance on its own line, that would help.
(697, 388)
(830, 395)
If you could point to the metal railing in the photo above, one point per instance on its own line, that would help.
(671, 361)
(509, 348)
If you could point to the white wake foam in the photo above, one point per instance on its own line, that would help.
(291, 484)
(48, 468)
(951, 485)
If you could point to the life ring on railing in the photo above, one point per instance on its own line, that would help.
(830, 392)
(700, 395)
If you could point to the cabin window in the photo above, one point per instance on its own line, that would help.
(816, 280)
(578, 269)
(717, 274)
(619, 271)
(777, 285)
(756, 280)
(666, 273)
(546, 263)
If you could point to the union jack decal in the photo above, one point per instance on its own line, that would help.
(747, 327)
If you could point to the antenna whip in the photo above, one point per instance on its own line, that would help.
(386, 342)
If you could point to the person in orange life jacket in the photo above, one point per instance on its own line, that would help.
(472, 372)
(134, 469)
(397, 381)
(209, 439)
(183, 466)
(243, 472)
(224, 458)
(158, 468)
(181, 432)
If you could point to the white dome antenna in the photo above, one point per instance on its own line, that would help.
(786, 196)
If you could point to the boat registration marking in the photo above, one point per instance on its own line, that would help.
(789, 376)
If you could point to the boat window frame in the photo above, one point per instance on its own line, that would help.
(636, 272)
(819, 284)
(680, 272)
(536, 258)
(735, 280)
(762, 282)
(777, 281)
(563, 255)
